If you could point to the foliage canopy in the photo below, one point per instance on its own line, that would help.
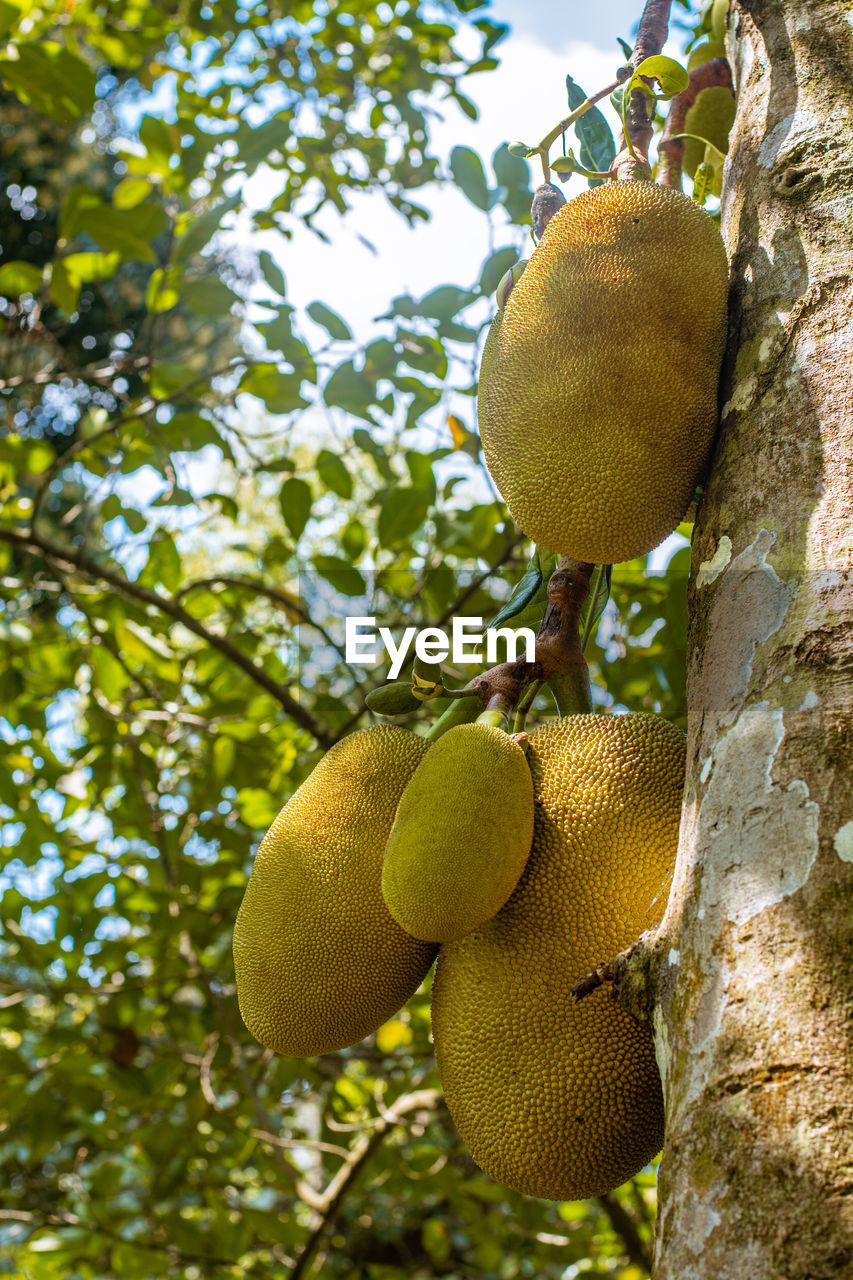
(198, 478)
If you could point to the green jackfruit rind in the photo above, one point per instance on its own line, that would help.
(719, 15)
(320, 963)
(461, 835)
(711, 116)
(558, 1100)
(598, 389)
(705, 53)
(489, 349)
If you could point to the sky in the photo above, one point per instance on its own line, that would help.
(522, 99)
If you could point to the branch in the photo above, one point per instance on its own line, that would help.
(633, 975)
(290, 606)
(70, 558)
(625, 1226)
(559, 655)
(651, 37)
(358, 1157)
(670, 146)
(305, 1192)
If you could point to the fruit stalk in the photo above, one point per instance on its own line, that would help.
(632, 161)
(558, 643)
(559, 654)
(671, 146)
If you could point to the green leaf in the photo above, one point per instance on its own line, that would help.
(108, 674)
(495, 268)
(513, 175)
(670, 75)
(599, 594)
(19, 277)
(333, 473)
(77, 201)
(130, 192)
(349, 390)
(159, 141)
(524, 593)
(511, 170)
(468, 174)
(163, 566)
(703, 182)
(87, 267)
(403, 511)
(354, 539)
(64, 288)
(329, 320)
(256, 141)
(160, 294)
(194, 232)
(278, 391)
(224, 754)
(445, 302)
(597, 150)
(49, 78)
(272, 273)
(341, 575)
(209, 296)
(294, 498)
(127, 231)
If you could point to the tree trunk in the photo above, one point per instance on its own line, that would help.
(755, 976)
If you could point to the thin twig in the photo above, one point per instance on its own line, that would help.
(625, 1227)
(358, 1157)
(68, 558)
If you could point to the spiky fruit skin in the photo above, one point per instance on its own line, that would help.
(461, 835)
(598, 392)
(320, 963)
(558, 1100)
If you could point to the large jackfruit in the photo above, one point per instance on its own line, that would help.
(320, 963)
(461, 835)
(559, 1100)
(598, 386)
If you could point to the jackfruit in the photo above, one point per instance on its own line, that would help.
(598, 386)
(395, 699)
(461, 835)
(719, 17)
(320, 963)
(711, 117)
(713, 48)
(553, 1099)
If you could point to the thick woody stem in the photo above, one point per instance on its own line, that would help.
(558, 644)
(671, 147)
(651, 37)
(559, 655)
(547, 200)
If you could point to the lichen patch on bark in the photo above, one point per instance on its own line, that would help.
(748, 589)
(710, 570)
(843, 842)
(741, 795)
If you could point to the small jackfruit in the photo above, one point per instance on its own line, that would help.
(395, 699)
(320, 963)
(598, 385)
(711, 117)
(553, 1099)
(461, 835)
(719, 17)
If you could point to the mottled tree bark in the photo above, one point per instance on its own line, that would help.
(754, 966)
